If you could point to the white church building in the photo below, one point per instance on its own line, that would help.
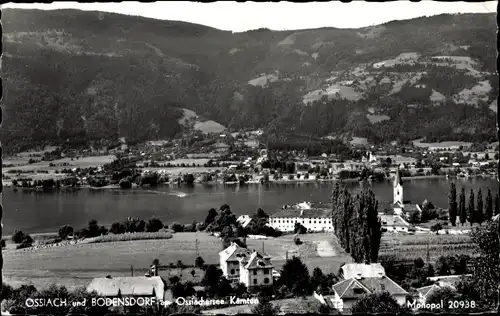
(399, 205)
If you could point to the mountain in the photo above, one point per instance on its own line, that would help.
(91, 77)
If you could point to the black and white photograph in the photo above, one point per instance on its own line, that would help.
(233, 158)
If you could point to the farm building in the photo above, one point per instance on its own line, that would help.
(139, 286)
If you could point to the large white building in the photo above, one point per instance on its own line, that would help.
(246, 266)
(314, 219)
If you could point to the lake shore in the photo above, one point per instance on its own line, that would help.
(8, 184)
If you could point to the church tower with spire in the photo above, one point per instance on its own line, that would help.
(398, 192)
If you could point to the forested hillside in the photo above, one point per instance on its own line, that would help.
(82, 77)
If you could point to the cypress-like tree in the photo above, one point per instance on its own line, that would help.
(452, 201)
(479, 217)
(471, 208)
(462, 213)
(356, 224)
(489, 205)
(497, 206)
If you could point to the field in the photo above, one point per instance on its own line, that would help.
(77, 265)
(409, 247)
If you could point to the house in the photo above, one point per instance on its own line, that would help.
(313, 219)
(394, 223)
(361, 279)
(244, 220)
(138, 286)
(256, 270)
(425, 292)
(242, 265)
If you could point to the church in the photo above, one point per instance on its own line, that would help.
(399, 205)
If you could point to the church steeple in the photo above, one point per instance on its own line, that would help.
(398, 193)
(398, 179)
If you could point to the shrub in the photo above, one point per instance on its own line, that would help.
(18, 236)
(65, 231)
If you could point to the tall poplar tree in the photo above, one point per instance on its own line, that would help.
(489, 205)
(497, 205)
(452, 201)
(356, 224)
(462, 213)
(479, 217)
(471, 208)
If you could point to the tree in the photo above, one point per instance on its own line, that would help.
(295, 276)
(199, 262)
(442, 266)
(188, 178)
(461, 207)
(452, 202)
(18, 237)
(497, 204)
(479, 217)
(93, 229)
(212, 214)
(436, 228)
(486, 269)
(356, 223)
(117, 228)
(379, 303)
(65, 231)
(211, 279)
(471, 209)
(489, 205)
(443, 294)
(154, 225)
(265, 307)
(176, 227)
(299, 229)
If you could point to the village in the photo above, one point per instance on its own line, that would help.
(253, 267)
(242, 158)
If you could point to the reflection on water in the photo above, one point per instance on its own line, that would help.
(33, 211)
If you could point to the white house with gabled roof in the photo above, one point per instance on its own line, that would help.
(246, 266)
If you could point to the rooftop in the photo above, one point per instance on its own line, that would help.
(393, 220)
(352, 270)
(137, 286)
(354, 288)
(295, 212)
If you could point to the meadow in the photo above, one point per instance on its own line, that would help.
(76, 265)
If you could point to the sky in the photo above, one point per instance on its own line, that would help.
(238, 17)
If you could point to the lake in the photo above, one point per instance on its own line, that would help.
(39, 212)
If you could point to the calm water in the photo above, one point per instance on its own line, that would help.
(46, 212)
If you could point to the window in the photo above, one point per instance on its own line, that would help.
(266, 271)
(254, 281)
(254, 272)
(266, 280)
(232, 271)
